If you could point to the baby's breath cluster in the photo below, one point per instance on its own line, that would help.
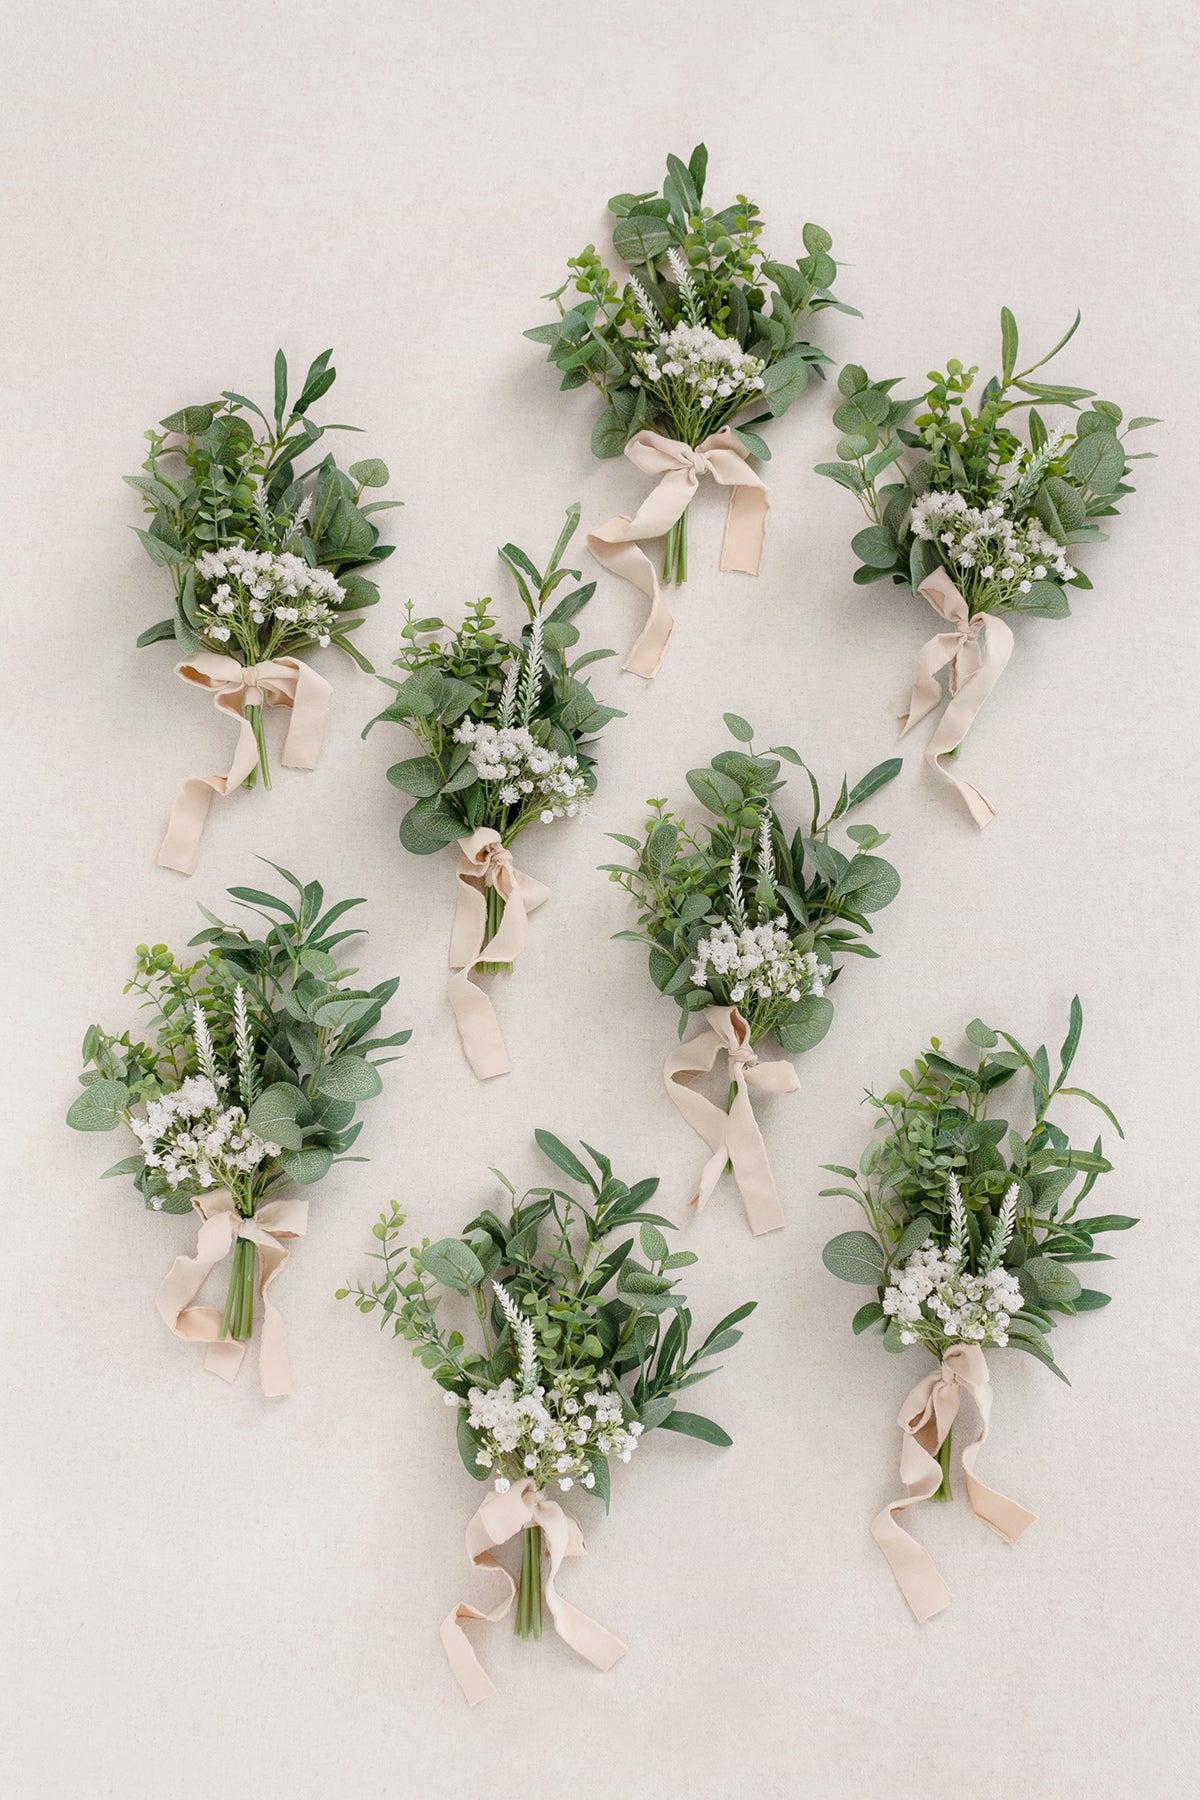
(265, 602)
(194, 1138)
(994, 555)
(529, 776)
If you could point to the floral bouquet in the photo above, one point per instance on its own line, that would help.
(508, 736)
(972, 1234)
(583, 1348)
(265, 559)
(705, 327)
(747, 927)
(260, 1054)
(981, 523)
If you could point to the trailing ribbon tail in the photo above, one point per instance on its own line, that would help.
(500, 1518)
(486, 862)
(617, 545)
(734, 1136)
(221, 1227)
(926, 1419)
(284, 681)
(976, 652)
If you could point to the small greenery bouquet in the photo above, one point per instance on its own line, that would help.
(973, 1231)
(266, 559)
(261, 1052)
(704, 327)
(747, 926)
(508, 736)
(585, 1343)
(976, 518)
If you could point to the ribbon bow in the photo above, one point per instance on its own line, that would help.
(501, 1517)
(284, 681)
(222, 1225)
(977, 652)
(616, 545)
(487, 863)
(926, 1419)
(732, 1136)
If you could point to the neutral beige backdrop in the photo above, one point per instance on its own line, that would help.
(206, 1592)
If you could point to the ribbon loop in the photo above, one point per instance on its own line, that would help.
(976, 651)
(221, 1227)
(734, 1136)
(679, 467)
(283, 681)
(487, 863)
(500, 1518)
(926, 1419)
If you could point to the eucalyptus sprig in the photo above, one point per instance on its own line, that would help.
(974, 1231)
(961, 488)
(259, 1053)
(582, 1340)
(703, 327)
(748, 911)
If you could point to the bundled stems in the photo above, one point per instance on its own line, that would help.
(238, 1320)
(945, 1492)
(529, 1594)
(254, 714)
(675, 562)
(495, 913)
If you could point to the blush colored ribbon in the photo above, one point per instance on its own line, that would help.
(486, 863)
(222, 1225)
(284, 681)
(976, 651)
(925, 1419)
(501, 1517)
(617, 544)
(733, 1136)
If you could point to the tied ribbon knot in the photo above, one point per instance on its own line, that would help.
(977, 652)
(616, 545)
(284, 681)
(733, 1136)
(501, 1517)
(221, 1227)
(487, 863)
(926, 1419)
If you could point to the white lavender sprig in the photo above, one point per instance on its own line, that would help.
(1002, 1232)
(737, 900)
(523, 1333)
(247, 1074)
(643, 299)
(958, 1224)
(508, 697)
(766, 850)
(687, 287)
(531, 685)
(205, 1054)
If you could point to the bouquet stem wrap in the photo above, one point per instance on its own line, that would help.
(284, 681)
(926, 1419)
(617, 545)
(733, 1136)
(487, 863)
(500, 1518)
(221, 1227)
(976, 650)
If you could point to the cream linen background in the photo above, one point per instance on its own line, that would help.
(208, 1593)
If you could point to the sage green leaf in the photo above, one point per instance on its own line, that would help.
(640, 237)
(371, 472)
(99, 1107)
(417, 775)
(806, 1024)
(350, 1078)
(739, 727)
(915, 1233)
(876, 547)
(454, 1264)
(307, 1166)
(856, 1257)
(1050, 1280)
(866, 1316)
(870, 883)
(695, 1425)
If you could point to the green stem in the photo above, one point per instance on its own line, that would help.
(529, 1595)
(945, 1492)
(675, 561)
(495, 912)
(254, 714)
(237, 1321)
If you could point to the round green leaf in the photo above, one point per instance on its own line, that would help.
(876, 546)
(806, 1025)
(855, 1256)
(640, 238)
(307, 1166)
(416, 775)
(870, 884)
(739, 728)
(454, 1264)
(99, 1107)
(371, 472)
(350, 1078)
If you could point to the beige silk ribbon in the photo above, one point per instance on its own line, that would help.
(976, 651)
(487, 863)
(733, 1136)
(222, 1225)
(617, 544)
(501, 1517)
(925, 1419)
(284, 681)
